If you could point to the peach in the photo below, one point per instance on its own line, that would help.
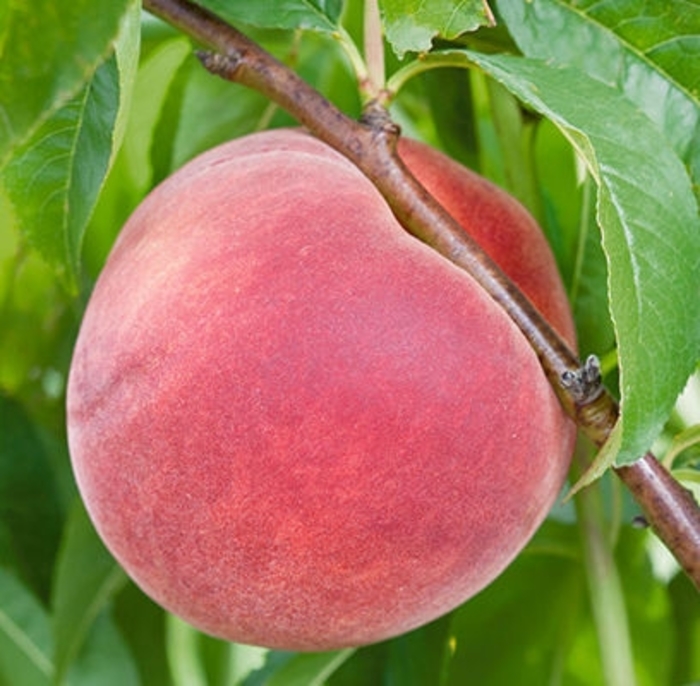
(294, 424)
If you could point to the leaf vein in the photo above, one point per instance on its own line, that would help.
(25, 644)
(586, 15)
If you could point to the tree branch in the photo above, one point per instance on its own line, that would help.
(371, 145)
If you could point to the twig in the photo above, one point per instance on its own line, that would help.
(371, 145)
(670, 509)
(374, 46)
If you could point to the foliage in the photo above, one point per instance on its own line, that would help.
(588, 112)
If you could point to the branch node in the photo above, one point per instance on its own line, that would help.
(218, 63)
(640, 522)
(376, 116)
(585, 383)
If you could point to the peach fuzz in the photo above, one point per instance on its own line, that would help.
(294, 424)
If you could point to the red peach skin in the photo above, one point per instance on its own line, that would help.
(295, 425)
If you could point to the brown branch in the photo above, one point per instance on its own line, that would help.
(670, 509)
(371, 145)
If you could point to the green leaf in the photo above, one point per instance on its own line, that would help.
(230, 111)
(25, 636)
(29, 507)
(162, 146)
(37, 320)
(53, 193)
(86, 579)
(153, 81)
(104, 658)
(530, 627)
(682, 441)
(48, 52)
(54, 178)
(419, 657)
(298, 669)
(686, 613)
(411, 25)
(649, 51)
(533, 625)
(650, 228)
(142, 624)
(132, 173)
(589, 288)
(648, 609)
(317, 15)
(184, 658)
(196, 659)
(243, 660)
(451, 103)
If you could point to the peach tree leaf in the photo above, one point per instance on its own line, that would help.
(543, 599)
(54, 177)
(649, 51)
(30, 512)
(650, 234)
(298, 669)
(86, 579)
(420, 656)
(48, 51)
(316, 15)
(142, 623)
(411, 25)
(200, 100)
(104, 658)
(25, 636)
(536, 597)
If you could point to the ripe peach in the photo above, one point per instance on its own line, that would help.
(294, 424)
